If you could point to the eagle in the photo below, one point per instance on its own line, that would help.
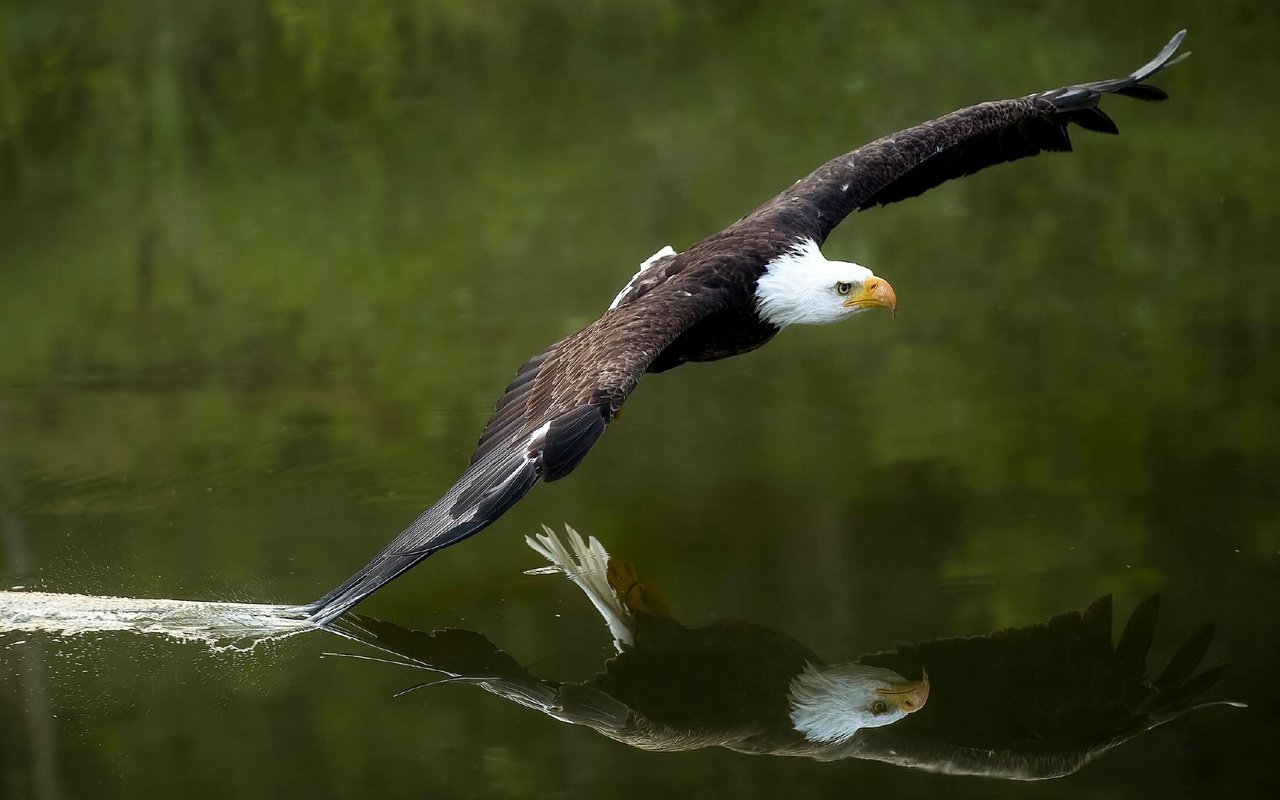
(1021, 703)
(725, 295)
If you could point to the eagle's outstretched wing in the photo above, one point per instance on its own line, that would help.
(913, 161)
(557, 407)
(463, 656)
(1040, 701)
(562, 399)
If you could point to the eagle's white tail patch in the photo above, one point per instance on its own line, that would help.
(586, 563)
(648, 262)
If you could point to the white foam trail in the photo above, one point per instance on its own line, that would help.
(219, 625)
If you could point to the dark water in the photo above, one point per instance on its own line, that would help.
(263, 270)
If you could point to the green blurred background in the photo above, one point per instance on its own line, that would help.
(264, 267)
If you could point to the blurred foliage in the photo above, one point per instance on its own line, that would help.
(265, 266)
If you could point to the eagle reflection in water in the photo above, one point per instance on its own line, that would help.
(1066, 693)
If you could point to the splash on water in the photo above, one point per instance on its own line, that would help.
(222, 626)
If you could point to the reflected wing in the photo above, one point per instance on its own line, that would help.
(464, 656)
(1037, 702)
(915, 160)
(542, 427)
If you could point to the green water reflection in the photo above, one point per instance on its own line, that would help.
(264, 268)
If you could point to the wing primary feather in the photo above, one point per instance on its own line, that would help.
(506, 496)
(489, 488)
(1186, 659)
(1099, 613)
(480, 483)
(1094, 119)
(911, 162)
(1142, 91)
(522, 379)
(1190, 689)
(1163, 60)
(1135, 641)
(511, 410)
(461, 655)
(499, 431)
(1072, 696)
(586, 705)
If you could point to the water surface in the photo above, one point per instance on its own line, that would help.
(263, 272)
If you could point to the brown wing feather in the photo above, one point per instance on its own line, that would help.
(509, 413)
(599, 365)
(585, 378)
(915, 160)
(653, 276)
(573, 389)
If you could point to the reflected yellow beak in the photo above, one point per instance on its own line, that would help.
(876, 293)
(910, 697)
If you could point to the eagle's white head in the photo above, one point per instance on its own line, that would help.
(830, 704)
(802, 286)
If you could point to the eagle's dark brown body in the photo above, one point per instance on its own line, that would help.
(729, 332)
(701, 305)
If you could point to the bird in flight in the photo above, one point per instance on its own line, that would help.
(725, 295)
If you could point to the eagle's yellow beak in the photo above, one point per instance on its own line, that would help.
(876, 293)
(911, 696)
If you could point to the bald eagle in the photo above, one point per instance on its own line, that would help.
(727, 294)
(1066, 694)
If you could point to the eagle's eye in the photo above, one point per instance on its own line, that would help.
(879, 707)
(843, 288)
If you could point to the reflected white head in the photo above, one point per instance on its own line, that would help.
(830, 704)
(802, 286)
